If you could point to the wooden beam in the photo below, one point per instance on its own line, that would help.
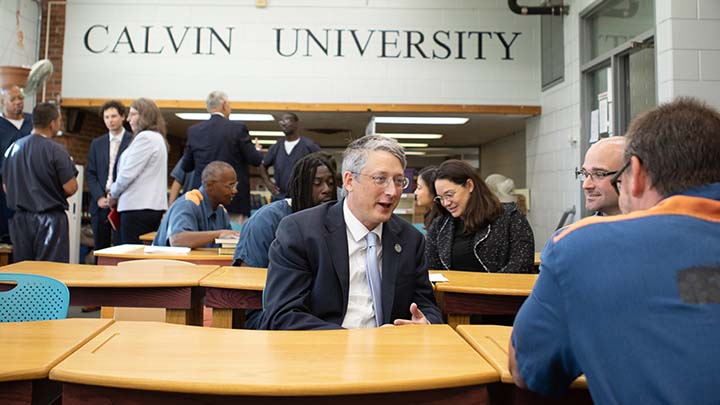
(329, 107)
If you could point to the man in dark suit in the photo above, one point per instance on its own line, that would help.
(105, 151)
(221, 139)
(353, 263)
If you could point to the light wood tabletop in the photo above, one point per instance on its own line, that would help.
(245, 278)
(147, 238)
(491, 342)
(229, 291)
(28, 350)
(85, 275)
(115, 254)
(471, 282)
(175, 287)
(163, 357)
(473, 293)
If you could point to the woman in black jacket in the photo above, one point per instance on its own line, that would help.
(480, 234)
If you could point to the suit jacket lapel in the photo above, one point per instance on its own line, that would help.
(391, 242)
(338, 248)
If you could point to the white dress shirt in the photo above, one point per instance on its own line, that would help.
(360, 312)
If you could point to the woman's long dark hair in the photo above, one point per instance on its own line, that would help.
(483, 207)
(428, 174)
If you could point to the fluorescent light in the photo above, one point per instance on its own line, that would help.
(411, 136)
(267, 133)
(421, 120)
(233, 117)
(266, 141)
(414, 152)
(414, 145)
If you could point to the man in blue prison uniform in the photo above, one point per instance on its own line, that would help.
(312, 183)
(199, 217)
(633, 301)
(284, 154)
(38, 176)
(14, 124)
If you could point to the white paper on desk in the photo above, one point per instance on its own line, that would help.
(438, 278)
(119, 249)
(175, 250)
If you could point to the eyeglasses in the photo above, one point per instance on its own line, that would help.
(383, 181)
(597, 175)
(447, 196)
(231, 186)
(615, 180)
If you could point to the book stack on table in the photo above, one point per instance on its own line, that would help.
(227, 246)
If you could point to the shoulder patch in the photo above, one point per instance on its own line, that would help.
(195, 196)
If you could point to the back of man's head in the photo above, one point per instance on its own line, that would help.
(43, 114)
(215, 101)
(678, 144)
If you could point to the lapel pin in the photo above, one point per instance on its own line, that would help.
(398, 248)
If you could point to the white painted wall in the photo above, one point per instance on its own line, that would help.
(552, 146)
(688, 50)
(255, 71)
(505, 156)
(18, 32)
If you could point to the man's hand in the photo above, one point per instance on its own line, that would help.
(228, 234)
(258, 145)
(102, 202)
(418, 318)
(274, 189)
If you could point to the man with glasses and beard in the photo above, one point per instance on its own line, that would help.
(351, 264)
(633, 301)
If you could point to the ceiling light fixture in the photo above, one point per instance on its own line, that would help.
(267, 133)
(411, 136)
(266, 141)
(414, 145)
(421, 120)
(233, 117)
(415, 152)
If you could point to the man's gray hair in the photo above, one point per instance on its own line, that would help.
(356, 155)
(214, 171)
(215, 100)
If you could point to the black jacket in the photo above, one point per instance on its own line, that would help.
(504, 246)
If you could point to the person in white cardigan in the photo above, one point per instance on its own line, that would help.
(140, 188)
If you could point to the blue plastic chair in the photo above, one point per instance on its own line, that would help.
(34, 298)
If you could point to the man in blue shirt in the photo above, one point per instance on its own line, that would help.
(632, 301)
(14, 124)
(284, 154)
(199, 217)
(38, 176)
(312, 183)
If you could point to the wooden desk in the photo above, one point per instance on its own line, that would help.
(5, 252)
(173, 287)
(137, 361)
(229, 291)
(147, 238)
(116, 254)
(492, 342)
(28, 350)
(471, 293)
